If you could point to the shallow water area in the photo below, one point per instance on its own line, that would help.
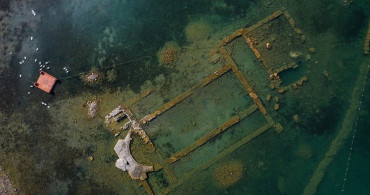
(254, 97)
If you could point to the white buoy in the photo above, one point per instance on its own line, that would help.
(31, 38)
(37, 49)
(36, 60)
(33, 12)
(20, 75)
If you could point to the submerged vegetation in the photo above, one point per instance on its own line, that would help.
(229, 173)
(168, 54)
(324, 120)
(198, 80)
(197, 31)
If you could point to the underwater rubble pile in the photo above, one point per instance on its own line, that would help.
(92, 108)
(93, 77)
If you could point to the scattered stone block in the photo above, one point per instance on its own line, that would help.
(296, 118)
(268, 46)
(282, 90)
(302, 80)
(268, 98)
(298, 31)
(325, 73)
(303, 38)
(291, 22)
(295, 54)
(279, 128)
(214, 58)
(272, 86)
(312, 50)
(253, 96)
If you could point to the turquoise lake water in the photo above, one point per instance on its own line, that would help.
(322, 148)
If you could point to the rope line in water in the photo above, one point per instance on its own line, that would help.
(122, 63)
(127, 62)
(354, 133)
(135, 60)
(141, 58)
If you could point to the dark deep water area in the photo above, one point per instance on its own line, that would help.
(50, 144)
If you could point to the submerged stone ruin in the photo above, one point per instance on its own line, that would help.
(127, 163)
(182, 159)
(125, 160)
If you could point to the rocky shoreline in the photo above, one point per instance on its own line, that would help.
(6, 186)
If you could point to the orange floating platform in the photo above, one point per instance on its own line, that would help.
(45, 82)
